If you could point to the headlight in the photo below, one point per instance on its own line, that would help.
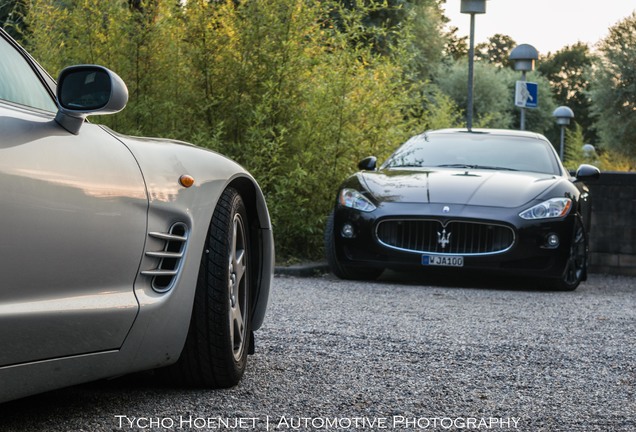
(353, 199)
(552, 208)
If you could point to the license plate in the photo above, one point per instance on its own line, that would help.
(442, 261)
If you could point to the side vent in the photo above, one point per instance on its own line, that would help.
(170, 257)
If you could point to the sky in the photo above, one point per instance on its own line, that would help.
(548, 25)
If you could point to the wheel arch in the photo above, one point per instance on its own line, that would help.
(263, 245)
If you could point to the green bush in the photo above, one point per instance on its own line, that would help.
(295, 91)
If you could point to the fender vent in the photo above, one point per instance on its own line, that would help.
(170, 257)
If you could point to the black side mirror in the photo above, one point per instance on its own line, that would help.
(587, 172)
(368, 164)
(84, 90)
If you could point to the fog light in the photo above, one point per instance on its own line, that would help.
(553, 241)
(347, 231)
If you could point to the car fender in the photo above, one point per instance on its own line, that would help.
(160, 330)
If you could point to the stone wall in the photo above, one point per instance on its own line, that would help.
(613, 233)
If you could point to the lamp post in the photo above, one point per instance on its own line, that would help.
(563, 115)
(524, 57)
(471, 7)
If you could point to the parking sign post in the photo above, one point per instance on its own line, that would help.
(524, 57)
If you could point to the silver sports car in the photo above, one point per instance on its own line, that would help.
(119, 254)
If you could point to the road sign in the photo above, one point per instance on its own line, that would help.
(526, 94)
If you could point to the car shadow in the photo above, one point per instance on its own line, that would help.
(87, 399)
(464, 279)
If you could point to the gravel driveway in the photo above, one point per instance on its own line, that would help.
(405, 353)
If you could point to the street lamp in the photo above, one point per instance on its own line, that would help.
(563, 115)
(588, 150)
(471, 7)
(524, 57)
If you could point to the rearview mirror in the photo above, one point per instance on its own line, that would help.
(587, 172)
(85, 90)
(368, 164)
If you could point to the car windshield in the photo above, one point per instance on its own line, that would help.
(476, 151)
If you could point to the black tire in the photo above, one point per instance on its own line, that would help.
(218, 341)
(576, 266)
(337, 268)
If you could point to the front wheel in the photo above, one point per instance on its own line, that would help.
(218, 341)
(576, 266)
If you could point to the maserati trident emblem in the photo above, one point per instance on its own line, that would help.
(443, 238)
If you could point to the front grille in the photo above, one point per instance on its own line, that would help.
(169, 256)
(453, 237)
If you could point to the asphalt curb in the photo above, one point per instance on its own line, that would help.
(303, 269)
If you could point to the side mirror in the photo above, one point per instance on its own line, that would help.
(85, 90)
(587, 172)
(368, 164)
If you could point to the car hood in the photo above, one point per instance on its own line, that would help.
(451, 186)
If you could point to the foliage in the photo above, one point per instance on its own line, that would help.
(613, 88)
(441, 111)
(494, 96)
(391, 26)
(567, 71)
(496, 51)
(573, 148)
(424, 38)
(610, 160)
(279, 86)
(456, 47)
(12, 17)
(491, 98)
(299, 91)
(605, 160)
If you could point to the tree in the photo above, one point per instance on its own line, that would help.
(12, 14)
(496, 51)
(456, 47)
(390, 26)
(604, 159)
(494, 96)
(423, 32)
(276, 86)
(567, 72)
(491, 93)
(613, 88)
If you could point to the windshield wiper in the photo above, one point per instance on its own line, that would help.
(404, 166)
(486, 167)
(458, 165)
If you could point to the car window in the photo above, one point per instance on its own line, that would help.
(485, 151)
(19, 82)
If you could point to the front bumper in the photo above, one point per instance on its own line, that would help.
(530, 253)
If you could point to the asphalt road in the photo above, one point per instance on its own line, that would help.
(405, 353)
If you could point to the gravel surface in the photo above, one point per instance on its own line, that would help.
(405, 353)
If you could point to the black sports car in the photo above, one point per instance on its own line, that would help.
(493, 200)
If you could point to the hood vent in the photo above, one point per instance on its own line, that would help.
(169, 257)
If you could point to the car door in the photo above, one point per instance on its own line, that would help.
(73, 222)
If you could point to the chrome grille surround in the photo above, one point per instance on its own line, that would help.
(467, 238)
(169, 258)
